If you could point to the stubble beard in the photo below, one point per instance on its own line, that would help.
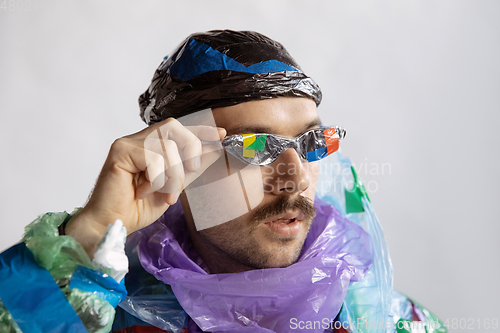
(238, 239)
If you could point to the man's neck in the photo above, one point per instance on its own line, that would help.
(217, 261)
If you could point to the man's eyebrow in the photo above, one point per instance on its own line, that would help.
(311, 125)
(247, 129)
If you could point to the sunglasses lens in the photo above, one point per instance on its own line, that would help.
(264, 149)
(313, 145)
(255, 149)
(319, 143)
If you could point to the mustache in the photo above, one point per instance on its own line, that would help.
(282, 205)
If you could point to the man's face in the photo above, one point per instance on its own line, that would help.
(273, 233)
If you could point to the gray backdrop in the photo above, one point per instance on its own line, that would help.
(416, 84)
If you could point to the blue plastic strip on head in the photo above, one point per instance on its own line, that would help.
(32, 296)
(98, 283)
(198, 58)
(317, 154)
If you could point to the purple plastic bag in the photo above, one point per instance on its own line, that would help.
(335, 253)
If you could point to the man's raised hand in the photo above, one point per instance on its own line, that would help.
(142, 176)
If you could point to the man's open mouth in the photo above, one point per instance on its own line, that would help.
(286, 225)
(287, 218)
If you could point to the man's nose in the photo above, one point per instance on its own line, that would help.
(287, 175)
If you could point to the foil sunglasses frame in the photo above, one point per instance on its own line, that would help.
(233, 144)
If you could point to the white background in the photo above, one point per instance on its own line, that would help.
(415, 83)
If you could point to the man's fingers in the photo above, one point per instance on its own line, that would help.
(155, 169)
(159, 159)
(203, 132)
(127, 155)
(144, 190)
(172, 151)
(208, 133)
(188, 139)
(188, 144)
(154, 152)
(164, 163)
(192, 153)
(209, 156)
(171, 178)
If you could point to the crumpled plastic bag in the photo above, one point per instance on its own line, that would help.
(265, 300)
(165, 254)
(370, 298)
(65, 260)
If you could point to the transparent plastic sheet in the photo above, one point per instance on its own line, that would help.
(149, 299)
(400, 309)
(334, 254)
(368, 300)
(60, 256)
(221, 68)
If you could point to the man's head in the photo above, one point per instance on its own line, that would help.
(252, 85)
(271, 234)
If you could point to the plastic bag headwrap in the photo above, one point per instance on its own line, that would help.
(222, 68)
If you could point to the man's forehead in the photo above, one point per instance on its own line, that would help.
(288, 116)
(251, 128)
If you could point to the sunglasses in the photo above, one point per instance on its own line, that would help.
(263, 148)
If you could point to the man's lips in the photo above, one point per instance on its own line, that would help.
(285, 225)
(286, 217)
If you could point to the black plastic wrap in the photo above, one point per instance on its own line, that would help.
(221, 68)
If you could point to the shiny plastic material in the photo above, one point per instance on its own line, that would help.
(99, 284)
(406, 315)
(222, 68)
(336, 251)
(61, 255)
(7, 323)
(31, 295)
(263, 149)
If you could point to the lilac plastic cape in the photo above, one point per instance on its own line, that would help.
(342, 262)
(336, 252)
